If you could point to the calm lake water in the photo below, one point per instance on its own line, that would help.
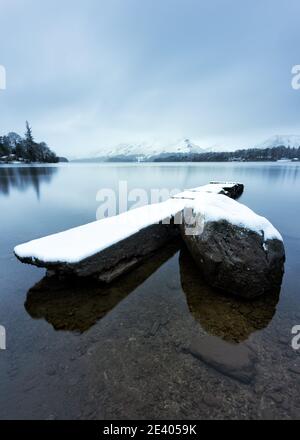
(88, 351)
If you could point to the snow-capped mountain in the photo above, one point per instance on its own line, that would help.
(147, 150)
(292, 141)
(144, 151)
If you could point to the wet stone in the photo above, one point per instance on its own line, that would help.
(211, 401)
(295, 369)
(290, 354)
(173, 284)
(285, 405)
(51, 417)
(235, 361)
(268, 414)
(278, 398)
(284, 340)
(259, 389)
(51, 371)
(154, 328)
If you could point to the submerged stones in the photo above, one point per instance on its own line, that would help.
(235, 361)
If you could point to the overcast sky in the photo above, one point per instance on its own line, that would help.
(89, 74)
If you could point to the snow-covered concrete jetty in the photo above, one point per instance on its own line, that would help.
(236, 250)
(110, 247)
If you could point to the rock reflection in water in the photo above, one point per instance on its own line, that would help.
(229, 318)
(77, 304)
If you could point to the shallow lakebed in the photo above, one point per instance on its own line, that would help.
(141, 347)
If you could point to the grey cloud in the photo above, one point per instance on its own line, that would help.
(91, 74)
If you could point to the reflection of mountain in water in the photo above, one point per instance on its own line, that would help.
(76, 305)
(22, 177)
(230, 318)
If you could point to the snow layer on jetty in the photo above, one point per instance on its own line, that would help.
(79, 243)
(215, 188)
(212, 188)
(84, 241)
(217, 207)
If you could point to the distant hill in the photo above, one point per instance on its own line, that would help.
(144, 152)
(288, 141)
(185, 150)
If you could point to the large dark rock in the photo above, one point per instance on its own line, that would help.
(236, 260)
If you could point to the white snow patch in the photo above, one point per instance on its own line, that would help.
(226, 184)
(265, 247)
(216, 207)
(215, 188)
(189, 195)
(84, 241)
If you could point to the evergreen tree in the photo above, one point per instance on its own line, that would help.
(30, 144)
(26, 148)
(28, 134)
(4, 146)
(20, 150)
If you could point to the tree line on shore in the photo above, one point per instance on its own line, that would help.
(250, 155)
(25, 149)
